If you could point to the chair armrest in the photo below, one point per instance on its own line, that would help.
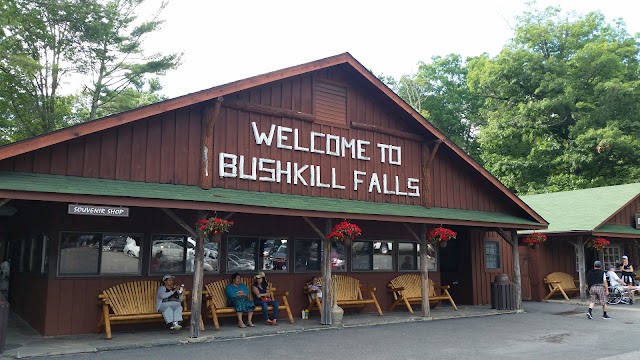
(441, 287)
(396, 289)
(552, 282)
(368, 289)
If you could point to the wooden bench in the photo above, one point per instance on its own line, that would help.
(217, 300)
(561, 283)
(349, 292)
(407, 289)
(133, 302)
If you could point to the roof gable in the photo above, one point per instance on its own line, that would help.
(80, 130)
(582, 210)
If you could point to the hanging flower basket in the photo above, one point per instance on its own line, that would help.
(213, 226)
(534, 239)
(441, 235)
(598, 243)
(344, 232)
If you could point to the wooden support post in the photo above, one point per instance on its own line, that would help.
(315, 228)
(209, 117)
(196, 290)
(198, 271)
(181, 222)
(325, 315)
(427, 180)
(517, 277)
(424, 271)
(579, 246)
(410, 231)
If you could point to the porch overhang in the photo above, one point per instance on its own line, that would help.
(72, 189)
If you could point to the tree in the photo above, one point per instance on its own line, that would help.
(561, 102)
(440, 93)
(44, 43)
(37, 41)
(114, 57)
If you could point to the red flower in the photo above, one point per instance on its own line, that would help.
(214, 226)
(440, 234)
(535, 238)
(599, 243)
(344, 230)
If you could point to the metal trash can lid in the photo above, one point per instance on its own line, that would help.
(501, 279)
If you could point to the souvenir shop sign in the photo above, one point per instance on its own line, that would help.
(75, 209)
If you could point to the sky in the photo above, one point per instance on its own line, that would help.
(225, 41)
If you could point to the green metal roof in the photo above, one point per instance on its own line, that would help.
(582, 210)
(618, 229)
(31, 182)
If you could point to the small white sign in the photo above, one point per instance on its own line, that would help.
(98, 210)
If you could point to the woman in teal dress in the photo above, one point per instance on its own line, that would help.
(238, 297)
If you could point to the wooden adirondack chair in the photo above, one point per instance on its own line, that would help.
(349, 292)
(217, 300)
(561, 283)
(133, 302)
(407, 289)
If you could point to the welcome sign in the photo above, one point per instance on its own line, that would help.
(270, 170)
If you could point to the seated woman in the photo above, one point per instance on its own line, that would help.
(262, 297)
(238, 297)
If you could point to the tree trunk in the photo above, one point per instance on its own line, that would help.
(196, 292)
(325, 312)
(517, 277)
(579, 246)
(424, 271)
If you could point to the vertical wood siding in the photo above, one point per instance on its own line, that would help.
(165, 148)
(626, 215)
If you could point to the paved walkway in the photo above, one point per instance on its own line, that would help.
(24, 342)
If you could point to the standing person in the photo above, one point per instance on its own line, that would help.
(262, 297)
(628, 274)
(238, 297)
(169, 302)
(597, 282)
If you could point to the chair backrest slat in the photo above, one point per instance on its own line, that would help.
(132, 298)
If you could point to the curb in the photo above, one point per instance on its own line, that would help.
(222, 337)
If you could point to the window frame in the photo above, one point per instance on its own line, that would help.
(184, 254)
(391, 253)
(605, 262)
(256, 268)
(99, 273)
(295, 244)
(436, 252)
(499, 255)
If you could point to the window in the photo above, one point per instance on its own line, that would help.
(175, 254)
(120, 254)
(338, 262)
(371, 255)
(274, 254)
(409, 256)
(37, 257)
(96, 253)
(269, 253)
(79, 253)
(611, 255)
(492, 254)
(307, 255)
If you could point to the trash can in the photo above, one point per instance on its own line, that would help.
(4, 321)
(503, 293)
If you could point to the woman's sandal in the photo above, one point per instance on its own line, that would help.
(269, 322)
(242, 325)
(250, 324)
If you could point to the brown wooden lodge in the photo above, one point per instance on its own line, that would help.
(94, 205)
